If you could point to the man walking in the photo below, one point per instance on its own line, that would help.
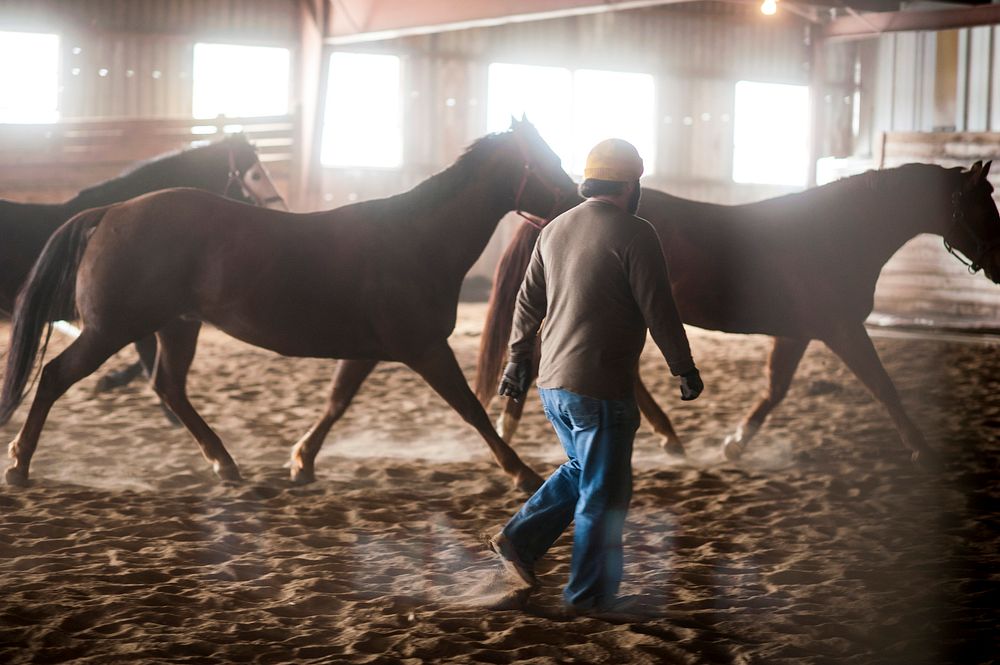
(599, 279)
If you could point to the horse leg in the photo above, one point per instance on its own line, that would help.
(79, 360)
(178, 341)
(146, 347)
(510, 415)
(855, 348)
(347, 379)
(440, 369)
(781, 365)
(670, 442)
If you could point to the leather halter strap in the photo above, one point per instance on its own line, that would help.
(236, 177)
(982, 248)
(526, 172)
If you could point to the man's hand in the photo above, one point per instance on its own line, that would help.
(691, 385)
(515, 380)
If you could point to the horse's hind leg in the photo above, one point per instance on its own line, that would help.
(784, 360)
(347, 380)
(178, 341)
(79, 360)
(440, 369)
(670, 442)
(855, 348)
(146, 348)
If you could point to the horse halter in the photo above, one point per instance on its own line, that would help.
(526, 172)
(958, 220)
(236, 177)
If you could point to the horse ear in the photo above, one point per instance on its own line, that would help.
(973, 175)
(986, 169)
(524, 117)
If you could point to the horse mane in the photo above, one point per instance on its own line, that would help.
(456, 175)
(882, 179)
(124, 181)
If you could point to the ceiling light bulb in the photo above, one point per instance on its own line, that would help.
(769, 7)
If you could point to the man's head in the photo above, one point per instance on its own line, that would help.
(612, 173)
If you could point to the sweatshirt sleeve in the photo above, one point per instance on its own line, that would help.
(650, 281)
(530, 310)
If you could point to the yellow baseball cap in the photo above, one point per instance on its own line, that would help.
(613, 159)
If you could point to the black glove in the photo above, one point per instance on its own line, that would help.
(515, 380)
(691, 385)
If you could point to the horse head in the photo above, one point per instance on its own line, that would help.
(544, 190)
(975, 223)
(246, 171)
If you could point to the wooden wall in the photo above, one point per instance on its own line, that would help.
(49, 163)
(696, 53)
(141, 106)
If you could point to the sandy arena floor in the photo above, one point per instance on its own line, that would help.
(822, 546)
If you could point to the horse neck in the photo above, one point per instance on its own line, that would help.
(893, 213)
(455, 228)
(177, 171)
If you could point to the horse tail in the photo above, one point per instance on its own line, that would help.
(500, 312)
(47, 295)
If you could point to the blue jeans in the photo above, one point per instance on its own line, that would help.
(593, 487)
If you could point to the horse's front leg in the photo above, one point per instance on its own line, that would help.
(439, 368)
(347, 379)
(855, 348)
(781, 365)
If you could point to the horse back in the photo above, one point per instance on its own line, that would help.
(279, 280)
(774, 267)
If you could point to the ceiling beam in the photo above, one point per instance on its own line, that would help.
(366, 20)
(872, 24)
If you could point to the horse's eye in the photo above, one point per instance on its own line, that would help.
(255, 176)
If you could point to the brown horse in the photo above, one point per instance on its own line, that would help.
(372, 281)
(229, 167)
(798, 267)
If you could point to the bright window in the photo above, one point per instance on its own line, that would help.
(543, 94)
(363, 124)
(29, 77)
(613, 104)
(239, 81)
(575, 110)
(771, 134)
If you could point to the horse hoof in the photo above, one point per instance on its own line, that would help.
(528, 481)
(302, 477)
(14, 477)
(229, 473)
(673, 448)
(732, 449)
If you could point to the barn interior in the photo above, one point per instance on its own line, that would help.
(825, 545)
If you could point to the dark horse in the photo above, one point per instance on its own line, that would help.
(797, 267)
(372, 281)
(229, 167)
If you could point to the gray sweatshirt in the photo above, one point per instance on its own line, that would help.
(598, 278)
